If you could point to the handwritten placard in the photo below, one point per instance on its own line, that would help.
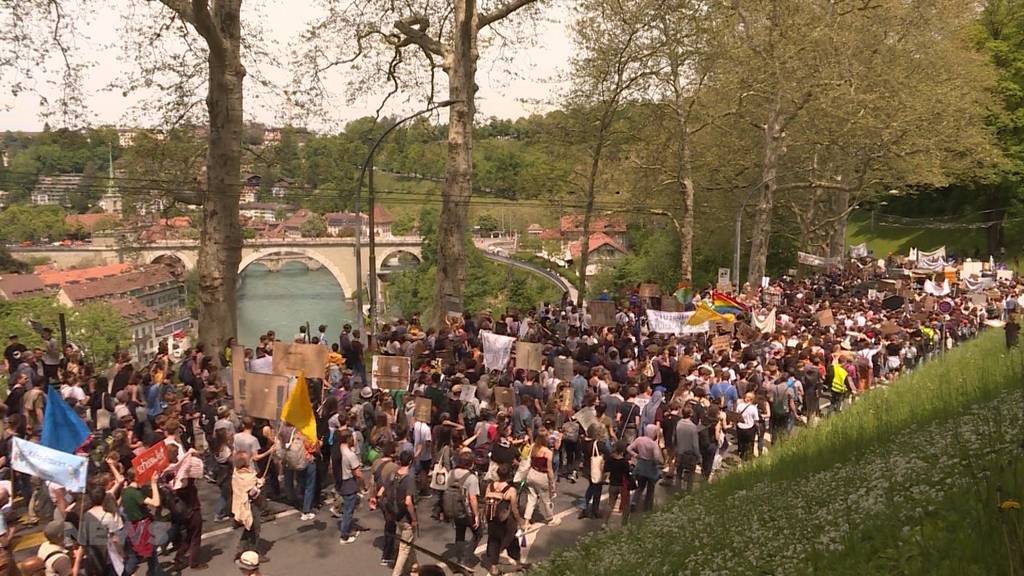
(825, 318)
(391, 372)
(290, 359)
(602, 313)
(422, 409)
(153, 461)
(650, 291)
(258, 395)
(529, 355)
(720, 343)
(503, 396)
(563, 368)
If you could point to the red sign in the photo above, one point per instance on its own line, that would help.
(152, 461)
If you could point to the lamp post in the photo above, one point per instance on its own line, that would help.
(368, 164)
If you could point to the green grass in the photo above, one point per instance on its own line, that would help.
(884, 239)
(843, 495)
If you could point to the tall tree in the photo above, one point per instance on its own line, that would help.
(439, 35)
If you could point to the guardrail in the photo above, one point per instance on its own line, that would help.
(549, 275)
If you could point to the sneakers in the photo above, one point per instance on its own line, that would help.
(307, 517)
(223, 518)
(335, 512)
(349, 540)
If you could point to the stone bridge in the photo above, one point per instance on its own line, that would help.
(337, 255)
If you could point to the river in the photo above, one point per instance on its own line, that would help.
(284, 300)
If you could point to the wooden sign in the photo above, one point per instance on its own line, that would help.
(258, 395)
(153, 461)
(390, 372)
(290, 359)
(825, 318)
(650, 290)
(504, 397)
(422, 409)
(746, 332)
(564, 368)
(565, 399)
(602, 313)
(889, 328)
(529, 355)
(720, 343)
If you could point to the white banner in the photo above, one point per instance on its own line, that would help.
(939, 252)
(497, 350)
(45, 463)
(859, 251)
(931, 263)
(936, 289)
(673, 323)
(818, 261)
(766, 323)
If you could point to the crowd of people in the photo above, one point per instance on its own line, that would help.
(637, 409)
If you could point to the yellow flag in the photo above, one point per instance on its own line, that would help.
(705, 313)
(298, 410)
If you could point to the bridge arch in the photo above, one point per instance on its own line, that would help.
(390, 255)
(342, 280)
(186, 258)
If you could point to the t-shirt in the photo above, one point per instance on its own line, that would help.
(504, 452)
(421, 435)
(247, 442)
(406, 487)
(9, 352)
(349, 463)
(132, 502)
(264, 365)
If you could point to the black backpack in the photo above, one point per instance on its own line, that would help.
(453, 500)
(393, 497)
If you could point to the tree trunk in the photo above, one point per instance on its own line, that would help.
(588, 211)
(761, 231)
(461, 69)
(220, 240)
(994, 232)
(837, 235)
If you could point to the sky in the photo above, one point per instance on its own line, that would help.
(529, 86)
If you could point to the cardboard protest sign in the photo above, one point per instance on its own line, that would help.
(564, 368)
(258, 395)
(950, 274)
(504, 397)
(290, 359)
(1004, 275)
(971, 268)
(529, 355)
(725, 287)
(153, 461)
(978, 299)
(587, 417)
(422, 409)
(672, 304)
(889, 328)
(602, 313)
(650, 290)
(390, 372)
(720, 343)
(746, 332)
(468, 392)
(922, 317)
(826, 318)
(565, 399)
(48, 464)
(722, 327)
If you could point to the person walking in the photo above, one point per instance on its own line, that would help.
(593, 468)
(400, 494)
(540, 480)
(503, 520)
(461, 501)
(246, 503)
(348, 475)
(648, 466)
(617, 467)
(687, 448)
(746, 426)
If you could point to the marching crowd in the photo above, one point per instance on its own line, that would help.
(626, 410)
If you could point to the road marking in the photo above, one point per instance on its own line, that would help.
(229, 529)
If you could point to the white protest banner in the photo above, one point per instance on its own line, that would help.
(931, 263)
(497, 350)
(1004, 275)
(939, 253)
(859, 251)
(45, 463)
(673, 323)
(971, 268)
(817, 261)
(765, 323)
(936, 289)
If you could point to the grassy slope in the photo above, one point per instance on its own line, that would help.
(804, 521)
(900, 239)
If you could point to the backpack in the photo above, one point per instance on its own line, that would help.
(392, 496)
(780, 402)
(295, 452)
(571, 431)
(185, 374)
(704, 438)
(453, 500)
(497, 509)
(470, 411)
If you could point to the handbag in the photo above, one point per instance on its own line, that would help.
(439, 473)
(596, 466)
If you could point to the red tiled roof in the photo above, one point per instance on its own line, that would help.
(596, 241)
(297, 219)
(177, 222)
(573, 223)
(89, 221)
(380, 215)
(550, 234)
(14, 286)
(54, 278)
(145, 277)
(133, 311)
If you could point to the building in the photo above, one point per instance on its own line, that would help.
(341, 224)
(53, 278)
(111, 203)
(55, 190)
(89, 223)
(534, 230)
(4, 195)
(293, 224)
(602, 249)
(266, 211)
(281, 189)
(142, 326)
(16, 286)
(571, 228)
(153, 286)
(250, 189)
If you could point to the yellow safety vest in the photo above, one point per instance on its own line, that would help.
(838, 379)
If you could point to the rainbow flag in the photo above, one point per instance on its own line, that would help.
(726, 304)
(705, 313)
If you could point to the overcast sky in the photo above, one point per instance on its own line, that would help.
(501, 94)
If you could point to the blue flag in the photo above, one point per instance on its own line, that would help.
(62, 429)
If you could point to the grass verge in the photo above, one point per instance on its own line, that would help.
(835, 498)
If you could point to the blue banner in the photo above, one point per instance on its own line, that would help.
(59, 467)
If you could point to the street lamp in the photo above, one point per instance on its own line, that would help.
(368, 164)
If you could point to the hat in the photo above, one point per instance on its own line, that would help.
(222, 411)
(13, 336)
(122, 411)
(249, 560)
(54, 531)
(456, 390)
(366, 393)
(845, 345)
